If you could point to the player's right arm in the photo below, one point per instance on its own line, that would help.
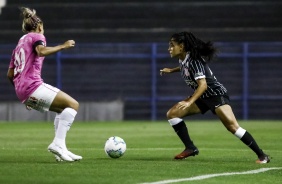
(41, 50)
(10, 75)
(169, 70)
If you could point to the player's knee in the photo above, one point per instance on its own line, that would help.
(232, 128)
(170, 114)
(75, 105)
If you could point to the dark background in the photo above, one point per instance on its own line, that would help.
(113, 22)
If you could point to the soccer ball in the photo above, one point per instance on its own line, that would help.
(115, 147)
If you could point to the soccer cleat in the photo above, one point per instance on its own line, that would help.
(74, 156)
(60, 152)
(70, 154)
(263, 159)
(58, 159)
(187, 153)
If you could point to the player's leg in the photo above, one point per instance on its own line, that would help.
(68, 107)
(56, 123)
(228, 119)
(174, 116)
(69, 153)
(62, 101)
(41, 100)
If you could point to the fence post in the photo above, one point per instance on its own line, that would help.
(154, 82)
(245, 81)
(59, 70)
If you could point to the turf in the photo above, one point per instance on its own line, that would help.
(150, 148)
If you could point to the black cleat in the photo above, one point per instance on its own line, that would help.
(264, 159)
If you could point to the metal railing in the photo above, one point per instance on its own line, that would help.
(244, 51)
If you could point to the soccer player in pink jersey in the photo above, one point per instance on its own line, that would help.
(25, 74)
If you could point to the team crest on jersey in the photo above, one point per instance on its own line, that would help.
(186, 72)
(32, 101)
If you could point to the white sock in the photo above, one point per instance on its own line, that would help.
(174, 121)
(240, 132)
(56, 121)
(65, 121)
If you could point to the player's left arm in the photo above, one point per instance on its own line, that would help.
(199, 75)
(202, 87)
(42, 50)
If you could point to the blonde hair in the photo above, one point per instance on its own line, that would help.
(30, 19)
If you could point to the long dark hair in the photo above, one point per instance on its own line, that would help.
(195, 46)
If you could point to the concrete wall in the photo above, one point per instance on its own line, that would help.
(89, 111)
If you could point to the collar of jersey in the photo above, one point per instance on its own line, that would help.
(185, 60)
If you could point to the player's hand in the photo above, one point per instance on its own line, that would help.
(183, 105)
(28, 107)
(69, 44)
(165, 71)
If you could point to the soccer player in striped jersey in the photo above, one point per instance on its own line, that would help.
(193, 55)
(25, 74)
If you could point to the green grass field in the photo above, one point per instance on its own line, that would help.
(151, 147)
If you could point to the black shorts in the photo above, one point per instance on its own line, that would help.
(211, 103)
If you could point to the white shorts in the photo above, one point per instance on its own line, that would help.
(42, 98)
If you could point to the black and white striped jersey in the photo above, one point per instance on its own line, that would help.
(192, 70)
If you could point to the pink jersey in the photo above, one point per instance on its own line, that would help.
(27, 65)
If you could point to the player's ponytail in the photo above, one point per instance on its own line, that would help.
(30, 19)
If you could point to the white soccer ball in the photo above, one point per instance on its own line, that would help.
(115, 147)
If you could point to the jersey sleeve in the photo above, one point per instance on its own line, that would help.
(39, 42)
(39, 39)
(198, 69)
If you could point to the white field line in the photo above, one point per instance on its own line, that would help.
(202, 177)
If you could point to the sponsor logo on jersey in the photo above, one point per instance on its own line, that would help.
(191, 83)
